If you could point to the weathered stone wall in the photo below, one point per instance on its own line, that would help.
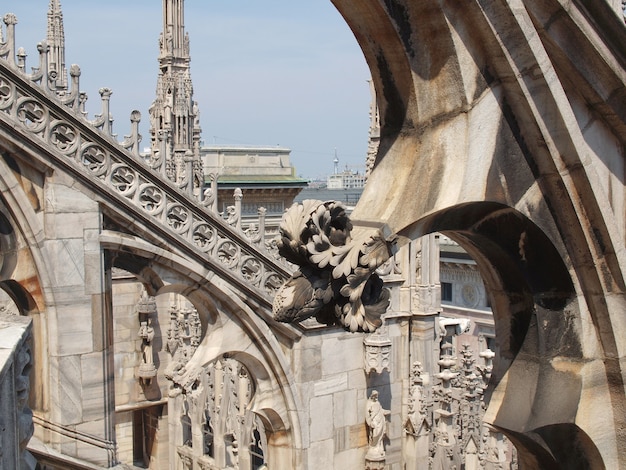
(337, 371)
(329, 370)
(76, 336)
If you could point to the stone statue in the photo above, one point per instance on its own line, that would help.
(169, 41)
(147, 369)
(376, 423)
(232, 215)
(146, 333)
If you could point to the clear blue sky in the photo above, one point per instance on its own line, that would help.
(265, 72)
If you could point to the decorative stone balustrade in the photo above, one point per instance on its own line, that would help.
(54, 121)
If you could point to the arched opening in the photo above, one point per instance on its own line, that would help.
(522, 270)
(157, 323)
(187, 319)
(560, 446)
(532, 298)
(8, 247)
(137, 324)
(18, 285)
(21, 300)
(218, 427)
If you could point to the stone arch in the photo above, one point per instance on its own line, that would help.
(22, 238)
(24, 272)
(22, 299)
(537, 324)
(219, 320)
(559, 446)
(8, 247)
(227, 314)
(520, 265)
(494, 102)
(159, 281)
(263, 403)
(265, 406)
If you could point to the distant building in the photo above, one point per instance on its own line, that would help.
(348, 196)
(463, 295)
(346, 180)
(264, 175)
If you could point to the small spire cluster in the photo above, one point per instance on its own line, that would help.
(174, 116)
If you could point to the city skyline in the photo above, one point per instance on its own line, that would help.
(279, 74)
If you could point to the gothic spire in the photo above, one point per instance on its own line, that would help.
(56, 42)
(176, 42)
(174, 117)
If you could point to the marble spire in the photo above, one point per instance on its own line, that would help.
(174, 117)
(56, 42)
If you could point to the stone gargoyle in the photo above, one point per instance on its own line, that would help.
(336, 280)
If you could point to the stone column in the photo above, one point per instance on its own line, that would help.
(446, 450)
(80, 417)
(418, 424)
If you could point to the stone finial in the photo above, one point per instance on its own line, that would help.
(10, 19)
(146, 305)
(377, 351)
(21, 58)
(486, 369)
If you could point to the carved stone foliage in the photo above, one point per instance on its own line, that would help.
(336, 281)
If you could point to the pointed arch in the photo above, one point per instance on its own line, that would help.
(488, 113)
(250, 337)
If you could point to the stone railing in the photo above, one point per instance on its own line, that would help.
(54, 121)
(16, 419)
(72, 98)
